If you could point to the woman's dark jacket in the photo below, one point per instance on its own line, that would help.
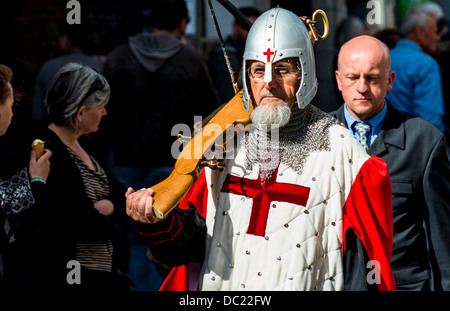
(71, 215)
(21, 204)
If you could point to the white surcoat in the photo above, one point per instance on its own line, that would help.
(301, 248)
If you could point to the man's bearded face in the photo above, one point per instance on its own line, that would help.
(275, 98)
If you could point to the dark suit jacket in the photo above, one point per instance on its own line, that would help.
(414, 151)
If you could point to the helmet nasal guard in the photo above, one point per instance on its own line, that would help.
(279, 34)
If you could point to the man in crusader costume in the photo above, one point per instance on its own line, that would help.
(301, 206)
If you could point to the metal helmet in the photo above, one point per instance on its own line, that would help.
(278, 34)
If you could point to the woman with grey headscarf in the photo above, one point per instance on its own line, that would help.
(85, 200)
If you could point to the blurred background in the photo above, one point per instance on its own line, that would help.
(29, 34)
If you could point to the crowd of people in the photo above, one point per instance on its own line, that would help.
(311, 200)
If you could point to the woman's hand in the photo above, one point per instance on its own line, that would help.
(41, 167)
(104, 207)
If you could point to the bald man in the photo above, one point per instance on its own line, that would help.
(414, 151)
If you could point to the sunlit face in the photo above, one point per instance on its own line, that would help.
(6, 112)
(90, 118)
(276, 91)
(364, 78)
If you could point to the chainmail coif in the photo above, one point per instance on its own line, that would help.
(306, 132)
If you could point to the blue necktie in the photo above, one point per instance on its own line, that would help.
(363, 129)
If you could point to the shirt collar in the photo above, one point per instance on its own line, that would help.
(376, 121)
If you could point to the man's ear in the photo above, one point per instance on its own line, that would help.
(182, 26)
(338, 80)
(391, 80)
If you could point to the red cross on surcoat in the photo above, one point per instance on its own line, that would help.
(268, 53)
(263, 194)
